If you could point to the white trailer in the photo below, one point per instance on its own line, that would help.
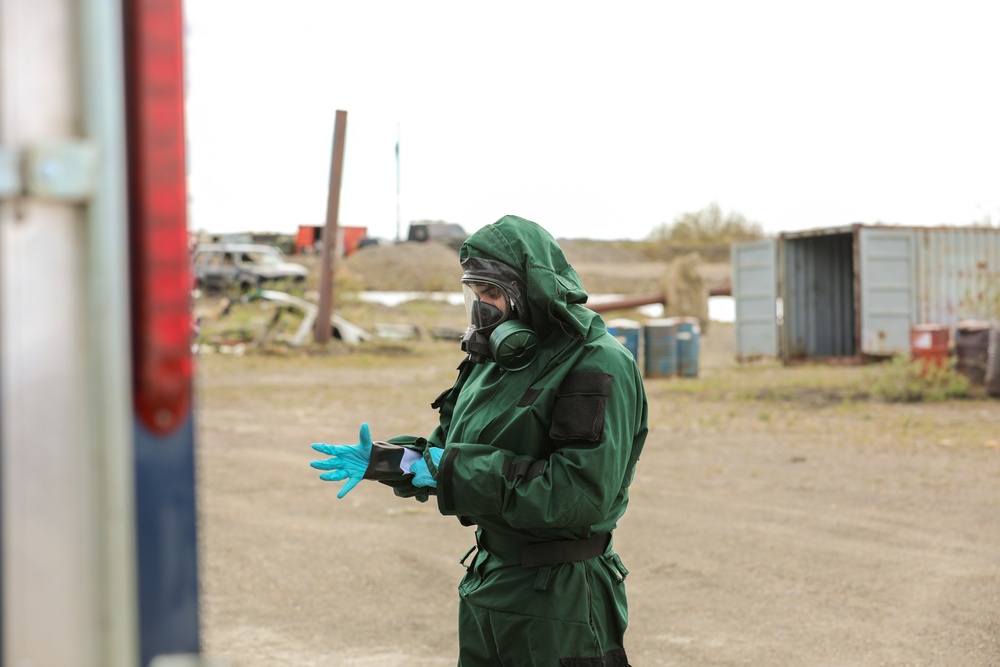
(98, 565)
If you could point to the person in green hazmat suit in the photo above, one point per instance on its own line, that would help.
(536, 446)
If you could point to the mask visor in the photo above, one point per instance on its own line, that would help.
(486, 304)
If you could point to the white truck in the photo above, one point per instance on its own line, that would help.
(98, 535)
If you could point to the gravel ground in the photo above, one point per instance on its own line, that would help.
(775, 520)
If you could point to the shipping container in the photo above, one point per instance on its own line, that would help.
(309, 238)
(853, 293)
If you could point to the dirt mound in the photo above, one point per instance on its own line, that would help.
(411, 267)
(430, 267)
(604, 268)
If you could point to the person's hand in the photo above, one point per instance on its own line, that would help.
(346, 461)
(421, 472)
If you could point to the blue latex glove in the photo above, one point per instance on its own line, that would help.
(346, 461)
(421, 473)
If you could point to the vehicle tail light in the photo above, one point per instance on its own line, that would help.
(160, 255)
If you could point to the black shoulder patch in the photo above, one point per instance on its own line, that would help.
(581, 401)
(583, 382)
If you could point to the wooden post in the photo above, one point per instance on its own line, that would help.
(323, 325)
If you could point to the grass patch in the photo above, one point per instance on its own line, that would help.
(904, 381)
(812, 385)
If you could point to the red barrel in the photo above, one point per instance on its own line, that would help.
(929, 344)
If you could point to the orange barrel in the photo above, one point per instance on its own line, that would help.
(659, 339)
(627, 333)
(929, 344)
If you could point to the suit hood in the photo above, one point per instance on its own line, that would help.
(555, 295)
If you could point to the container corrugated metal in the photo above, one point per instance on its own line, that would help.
(958, 274)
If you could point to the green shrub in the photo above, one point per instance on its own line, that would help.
(903, 380)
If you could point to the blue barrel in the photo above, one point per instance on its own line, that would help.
(688, 346)
(627, 333)
(660, 341)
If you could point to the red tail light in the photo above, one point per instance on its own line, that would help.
(160, 262)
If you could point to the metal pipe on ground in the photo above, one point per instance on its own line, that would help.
(650, 299)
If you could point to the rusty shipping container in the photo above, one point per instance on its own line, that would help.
(853, 292)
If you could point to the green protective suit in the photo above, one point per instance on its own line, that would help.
(540, 460)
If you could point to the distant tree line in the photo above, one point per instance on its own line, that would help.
(709, 225)
(709, 231)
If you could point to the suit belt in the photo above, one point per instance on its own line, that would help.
(538, 554)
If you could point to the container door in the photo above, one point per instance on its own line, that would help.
(887, 283)
(67, 590)
(755, 295)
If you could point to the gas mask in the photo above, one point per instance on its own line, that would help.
(496, 310)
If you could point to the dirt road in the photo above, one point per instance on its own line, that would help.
(775, 520)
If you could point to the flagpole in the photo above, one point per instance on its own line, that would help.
(399, 235)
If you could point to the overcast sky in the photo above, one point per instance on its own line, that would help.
(595, 119)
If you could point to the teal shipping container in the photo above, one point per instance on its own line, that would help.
(853, 293)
